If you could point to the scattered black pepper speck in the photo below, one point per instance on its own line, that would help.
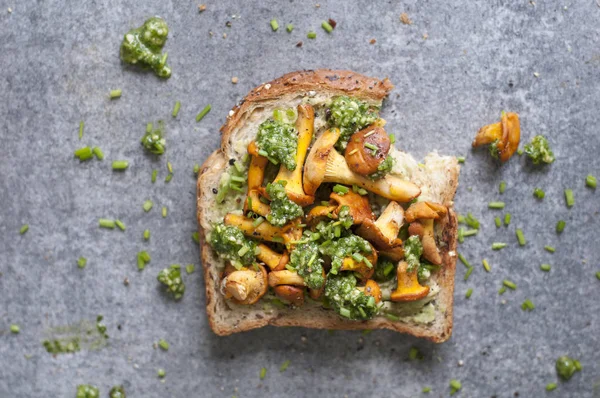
(228, 24)
(332, 23)
(231, 162)
(299, 44)
(215, 191)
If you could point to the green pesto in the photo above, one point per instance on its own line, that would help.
(307, 261)
(117, 392)
(425, 270)
(384, 270)
(494, 151)
(344, 247)
(384, 168)
(279, 142)
(153, 140)
(232, 245)
(342, 295)
(87, 391)
(143, 46)
(171, 278)
(81, 262)
(101, 327)
(350, 115)
(282, 208)
(566, 367)
(62, 346)
(539, 150)
(412, 252)
(333, 229)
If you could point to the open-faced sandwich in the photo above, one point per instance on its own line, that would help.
(309, 215)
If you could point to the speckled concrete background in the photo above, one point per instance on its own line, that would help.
(455, 68)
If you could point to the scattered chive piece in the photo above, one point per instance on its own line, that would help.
(414, 353)
(15, 328)
(81, 130)
(370, 146)
(284, 366)
(464, 260)
(527, 305)
(539, 193)
(161, 373)
(327, 26)
(170, 167)
(502, 186)
(120, 224)
(203, 113)
(274, 25)
(162, 343)
(24, 229)
(81, 262)
(426, 390)
(468, 274)
(149, 127)
(498, 222)
(496, 205)
(392, 317)
(176, 109)
(143, 258)
(454, 386)
(147, 206)
(469, 292)
(560, 226)
(509, 284)
(498, 245)
(154, 174)
(340, 189)
(114, 94)
(84, 153)
(550, 249)
(520, 151)
(551, 386)
(520, 237)
(545, 267)
(590, 181)
(472, 221)
(470, 232)
(461, 235)
(196, 168)
(98, 152)
(598, 275)
(569, 198)
(502, 290)
(164, 211)
(289, 28)
(146, 234)
(461, 159)
(486, 265)
(169, 177)
(258, 221)
(507, 217)
(196, 237)
(392, 138)
(120, 164)
(106, 223)
(311, 35)
(263, 373)
(190, 268)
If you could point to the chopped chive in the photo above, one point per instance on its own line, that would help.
(176, 109)
(170, 167)
(147, 206)
(507, 218)
(146, 234)
(502, 186)
(496, 205)
(311, 35)
(141, 264)
(14, 328)
(196, 237)
(498, 245)
(590, 181)
(161, 373)
(169, 177)
(84, 153)
(569, 198)
(472, 221)
(464, 260)
(149, 127)
(470, 232)
(362, 191)
(468, 273)
(162, 343)
(263, 373)
(284, 366)
(550, 249)
(98, 152)
(81, 130)
(551, 386)
(486, 265)
(469, 292)
(203, 113)
(545, 267)
(454, 386)
(274, 25)
(190, 268)
(392, 138)
(106, 223)
(539, 193)
(461, 235)
(164, 211)
(498, 221)
(327, 26)
(509, 284)
(598, 275)
(238, 179)
(289, 28)
(560, 226)
(392, 317)
(258, 221)
(154, 174)
(502, 290)
(120, 164)
(370, 146)
(81, 262)
(461, 159)
(114, 94)
(520, 151)
(414, 353)
(24, 229)
(527, 305)
(120, 224)
(520, 237)
(340, 189)
(196, 168)
(426, 390)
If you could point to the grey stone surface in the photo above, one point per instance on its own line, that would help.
(60, 59)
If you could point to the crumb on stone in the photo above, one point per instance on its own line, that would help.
(425, 36)
(299, 44)
(234, 80)
(224, 35)
(536, 74)
(372, 41)
(202, 7)
(126, 281)
(405, 19)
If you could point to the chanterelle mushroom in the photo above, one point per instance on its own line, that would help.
(408, 288)
(362, 267)
(360, 209)
(292, 294)
(256, 175)
(383, 233)
(264, 231)
(425, 210)
(424, 229)
(372, 289)
(366, 150)
(504, 136)
(325, 164)
(285, 277)
(245, 286)
(271, 258)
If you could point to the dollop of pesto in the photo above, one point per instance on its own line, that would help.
(171, 278)
(143, 45)
(231, 244)
(334, 229)
(566, 367)
(342, 295)
(338, 249)
(412, 252)
(117, 392)
(306, 259)
(384, 270)
(539, 150)
(87, 391)
(153, 140)
(278, 141)
(57, 346)
(425, 270)
(350, 115)
(384, 168)
(282, 208)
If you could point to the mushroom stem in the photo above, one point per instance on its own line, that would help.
(408, 288)
(425, 210)
(264, 231)
(292, 294)
(424, 228)
(254, 204)
(350, 264)
(285, 277)
(372, 289)
(245, 286)
(383, 233)
(271, 258)
(256, 175)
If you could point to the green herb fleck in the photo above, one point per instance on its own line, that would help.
(120, 164)
(164, 211)
(143, 45)
(196, 237)
(507, 218)
(551, 386)
(176, 109)
(539, 150)
(455, 386)
(203, 112)
(311, 35)
(502, 187)
(81, 262)
(146, 234)
(274, 25)
(114, 94)
(327, 26)
(560, 226)
(284, 366)
(171, 278)
(496, 205)
(190, 268)
(545, 267)
(527, 305)
(161, 373)
(81, 129)
(498, 245)
(289, 28)
(120, 224)
(550, 249)
(98, 152)
(87, 391)
(162, 343)
(84, 153)
(509, 284)
(15, 329)
(106, 223)
(591, 182)
(263, 373)
(569, 198)
(486, 265)
(566, 367)
(520, 237)
(153, 140)
(24, 229)
(539, 193)
(117, 392)
(469, 292)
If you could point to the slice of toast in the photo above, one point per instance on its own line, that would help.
(437, 177)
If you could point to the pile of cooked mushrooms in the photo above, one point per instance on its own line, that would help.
(324, 164)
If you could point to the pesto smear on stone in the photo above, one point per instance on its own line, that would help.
(143, 45)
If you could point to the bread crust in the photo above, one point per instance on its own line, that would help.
(337, 82)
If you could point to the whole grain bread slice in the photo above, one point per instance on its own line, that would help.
(437, 177)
